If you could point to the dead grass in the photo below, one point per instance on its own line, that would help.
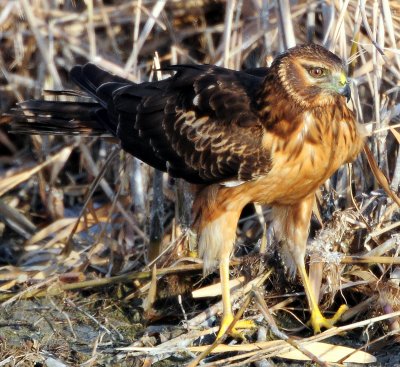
(77, 217)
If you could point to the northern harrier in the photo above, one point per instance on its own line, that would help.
(269, 135)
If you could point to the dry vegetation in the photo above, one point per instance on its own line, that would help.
(78, 217)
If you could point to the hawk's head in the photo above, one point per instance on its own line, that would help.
(312, 76)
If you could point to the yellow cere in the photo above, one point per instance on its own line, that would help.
(343, 79)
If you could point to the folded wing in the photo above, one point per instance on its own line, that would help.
(201, 124)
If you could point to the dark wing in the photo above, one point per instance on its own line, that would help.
(202, 122)
(213, 125)
(200, 125)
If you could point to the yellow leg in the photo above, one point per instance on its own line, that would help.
(227, 316)
(192, 244)
(291, 224)
(217, 216)
(317, 320)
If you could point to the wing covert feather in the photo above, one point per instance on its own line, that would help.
(214, 127)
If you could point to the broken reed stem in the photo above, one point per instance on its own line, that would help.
(265, 311)
(371, 260)
(69, 245)
(126, 278)
(273, 348)
(221, 339)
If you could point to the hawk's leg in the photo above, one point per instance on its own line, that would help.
(317, 320)
(216, 222)
(291, 225)
(227, 316)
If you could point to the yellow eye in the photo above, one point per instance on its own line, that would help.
(317, 72)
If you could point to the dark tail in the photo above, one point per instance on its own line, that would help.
(56, 118)
(71, 117)
(111, 111)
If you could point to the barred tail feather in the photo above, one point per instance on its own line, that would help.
(58, 118)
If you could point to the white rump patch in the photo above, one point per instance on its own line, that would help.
(233, 183)
(211, 86)
(196, 100)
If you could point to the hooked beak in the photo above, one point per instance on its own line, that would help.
(346, 91)
(344, 87)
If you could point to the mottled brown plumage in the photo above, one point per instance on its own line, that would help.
(270, 135)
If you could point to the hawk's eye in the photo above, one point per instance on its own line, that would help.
(317, 72)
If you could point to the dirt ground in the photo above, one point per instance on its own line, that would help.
(81, 330)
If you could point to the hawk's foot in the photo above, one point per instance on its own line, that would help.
(234, 332)
(318, 321)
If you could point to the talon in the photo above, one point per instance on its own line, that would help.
(318, 321)
(234, 332)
